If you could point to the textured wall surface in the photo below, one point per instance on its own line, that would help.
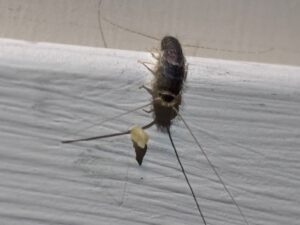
(263, 31)
(245, 115)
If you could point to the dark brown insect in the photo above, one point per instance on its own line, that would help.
(169, 76)
(169, 73)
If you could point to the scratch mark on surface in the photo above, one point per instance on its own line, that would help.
(100, 24)
(129, 30)
(187, 45)
(229, 50)
(123, 198)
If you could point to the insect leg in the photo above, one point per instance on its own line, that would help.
(145, 65)
(148, 111)
(155, 53)
(154, 56)
(147, 89)
(145, 62)
(186, 70)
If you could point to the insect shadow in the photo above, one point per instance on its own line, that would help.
(169, 75)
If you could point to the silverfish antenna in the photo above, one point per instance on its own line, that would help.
(212, 166)
(106, 135)
(185, 176)
(111, 118)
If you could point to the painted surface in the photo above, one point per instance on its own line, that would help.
(245, 115)
(261, 31)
